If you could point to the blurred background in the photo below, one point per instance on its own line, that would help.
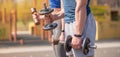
(17, 27)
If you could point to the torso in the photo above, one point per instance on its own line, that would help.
(55, 3)
(69, 10)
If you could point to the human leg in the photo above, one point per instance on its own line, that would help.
(59, 48)
(89, 31)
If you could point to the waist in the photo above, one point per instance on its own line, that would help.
(72, 20)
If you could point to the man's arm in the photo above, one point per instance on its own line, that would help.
(53, 16)
(80, 19)
(63, 25)
(80, 16)
(60, 14)
(62, 10)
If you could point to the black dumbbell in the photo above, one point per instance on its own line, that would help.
(49, 25)
(85, 45)
(56, 42)
(35, 20)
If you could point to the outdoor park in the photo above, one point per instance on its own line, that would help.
(20, 37)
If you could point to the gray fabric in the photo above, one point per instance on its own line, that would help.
(57, 31)
(58, 49)
(89, 31)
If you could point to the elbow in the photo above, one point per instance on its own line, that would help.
(78, 9)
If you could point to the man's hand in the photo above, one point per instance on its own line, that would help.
(48, 18)
(62, 37)
(76, 42)
(36, 18)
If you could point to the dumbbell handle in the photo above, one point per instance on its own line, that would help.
(33, 10)
(89, 46)
(93, 47)
(45, 7)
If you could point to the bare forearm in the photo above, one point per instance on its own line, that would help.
(80, 22)
(80, 17)
(63, 24)
(58, 15)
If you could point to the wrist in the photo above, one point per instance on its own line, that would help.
(77, 35)
(62, 30)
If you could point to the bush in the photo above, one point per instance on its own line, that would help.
(100, 12)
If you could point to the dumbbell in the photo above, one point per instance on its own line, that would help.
(56, 42)
(85, 45)
(48, 25)
(34, 11)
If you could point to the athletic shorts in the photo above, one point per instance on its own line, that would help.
(89, 31)
(57, 31)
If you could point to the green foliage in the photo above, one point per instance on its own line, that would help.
(100, 12)
(23, 8)
(2, 31)
(8, 5)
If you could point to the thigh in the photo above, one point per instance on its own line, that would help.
(89, 31)
(59, 50)
(57, 31)
(76, 52)
(69, 30)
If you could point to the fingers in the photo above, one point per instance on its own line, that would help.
(76, 43)
(75, 46)
(35, 16)
(42, 17)
(62, 38)
(50, 16)
(46, 17)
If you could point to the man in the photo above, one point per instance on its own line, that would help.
(56, 33)
(79, 23)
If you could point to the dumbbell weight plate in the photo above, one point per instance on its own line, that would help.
(50, 26)
(67, 44)
(85, 46)
(45, 11)
(55, 42)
